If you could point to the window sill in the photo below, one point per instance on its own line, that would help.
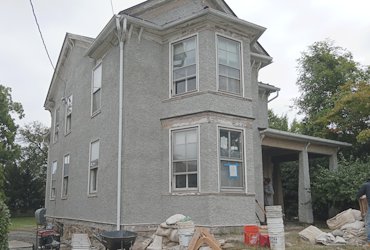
(95, 113)
(222, 193)
(64, 198)
(211, 92)
(94, 195)
(52, 199)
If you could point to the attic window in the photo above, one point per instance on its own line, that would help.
(184, 66)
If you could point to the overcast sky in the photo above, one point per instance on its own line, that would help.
(291, 27)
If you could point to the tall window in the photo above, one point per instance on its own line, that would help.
(96, 89)
(94, 165)
(184, 66)
(69, 114)
(229, 65)
(65, 175)
(56, 125)
(54, 167)
(185, 159)
(231, 159)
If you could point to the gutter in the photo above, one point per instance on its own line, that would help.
(121, 32)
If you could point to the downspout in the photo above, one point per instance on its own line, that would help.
(121, 32)
(277, 94)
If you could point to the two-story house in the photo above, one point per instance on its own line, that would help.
(162, 113)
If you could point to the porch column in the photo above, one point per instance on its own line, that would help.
(305, 213)
(333, 162)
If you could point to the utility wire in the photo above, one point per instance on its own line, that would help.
(42, 38)
(111, 5)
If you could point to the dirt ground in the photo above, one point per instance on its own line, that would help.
(233, 242)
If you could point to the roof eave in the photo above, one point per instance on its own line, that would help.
(303, 138)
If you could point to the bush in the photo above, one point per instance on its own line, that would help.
(4, 225)
(338, 189)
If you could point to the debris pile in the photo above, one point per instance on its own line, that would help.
(347, 228)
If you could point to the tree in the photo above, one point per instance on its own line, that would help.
(9, 150)
(25, 186)
(276, 122)
(332, 97)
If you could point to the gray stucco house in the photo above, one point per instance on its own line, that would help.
(163, 113)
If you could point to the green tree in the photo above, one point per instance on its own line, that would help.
(277, 122)
(25, 186)
(9, 150)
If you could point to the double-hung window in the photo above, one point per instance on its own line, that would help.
(229, 65)
(56, 125)
(69, 114)
(93, 166)
(53, 169)
(185, 159)
(96, 89)
(184, 66)
(231, 158)
(65, 175)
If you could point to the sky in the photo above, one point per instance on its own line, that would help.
(292, 26)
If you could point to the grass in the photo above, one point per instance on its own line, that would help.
(22, 223)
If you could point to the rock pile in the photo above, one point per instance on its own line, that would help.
(347, 228)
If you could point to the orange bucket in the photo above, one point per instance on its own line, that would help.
(251, 235)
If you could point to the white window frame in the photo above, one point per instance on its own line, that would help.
(172, 181)
(241, 65)
(95, 169)
(98, 110)
(64, 176)
(56, 130)
(68, 114)
(243, 154)
(171, 83)
(53, 180)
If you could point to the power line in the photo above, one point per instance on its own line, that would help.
(111, 5)
(42, 38)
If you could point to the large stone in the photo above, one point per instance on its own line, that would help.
(175, 218)
(174, 236)
(156, 244)
(165, 232)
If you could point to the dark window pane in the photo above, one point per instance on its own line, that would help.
(192, 84)
(193, 180)
(179, 167)
(180, 87)
(180, 181)
(235, 143)
(222, 83)
(192, 166)
(96, 101)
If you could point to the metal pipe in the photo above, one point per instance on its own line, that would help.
(120, 33)
(277, 94)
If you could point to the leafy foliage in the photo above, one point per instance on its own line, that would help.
(339, 188)
(25, 186)
(4, 225)
(276, 122)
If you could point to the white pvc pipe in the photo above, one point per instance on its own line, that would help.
(121, 33)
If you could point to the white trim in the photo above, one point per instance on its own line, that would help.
(88, 169)
(242, 94)
(245, 160)
(170, 71)
(98, 63)
(239, 129)
(171, 188)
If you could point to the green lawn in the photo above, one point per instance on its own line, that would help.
(22, 223)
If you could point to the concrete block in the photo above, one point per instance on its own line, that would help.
(156, 244)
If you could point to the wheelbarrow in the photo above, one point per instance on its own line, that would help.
(114, 240)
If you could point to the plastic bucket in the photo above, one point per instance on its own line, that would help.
(185, 232)
(277, 241)
(251, 235)
(264, 240)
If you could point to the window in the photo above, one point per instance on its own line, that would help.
(184, 66)
(56, 125)
(96, 89)
(65, 175)
(94, 164)
(229, 65)
(185, 159)
(69, 114)
(54, 167)
(231, 159)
